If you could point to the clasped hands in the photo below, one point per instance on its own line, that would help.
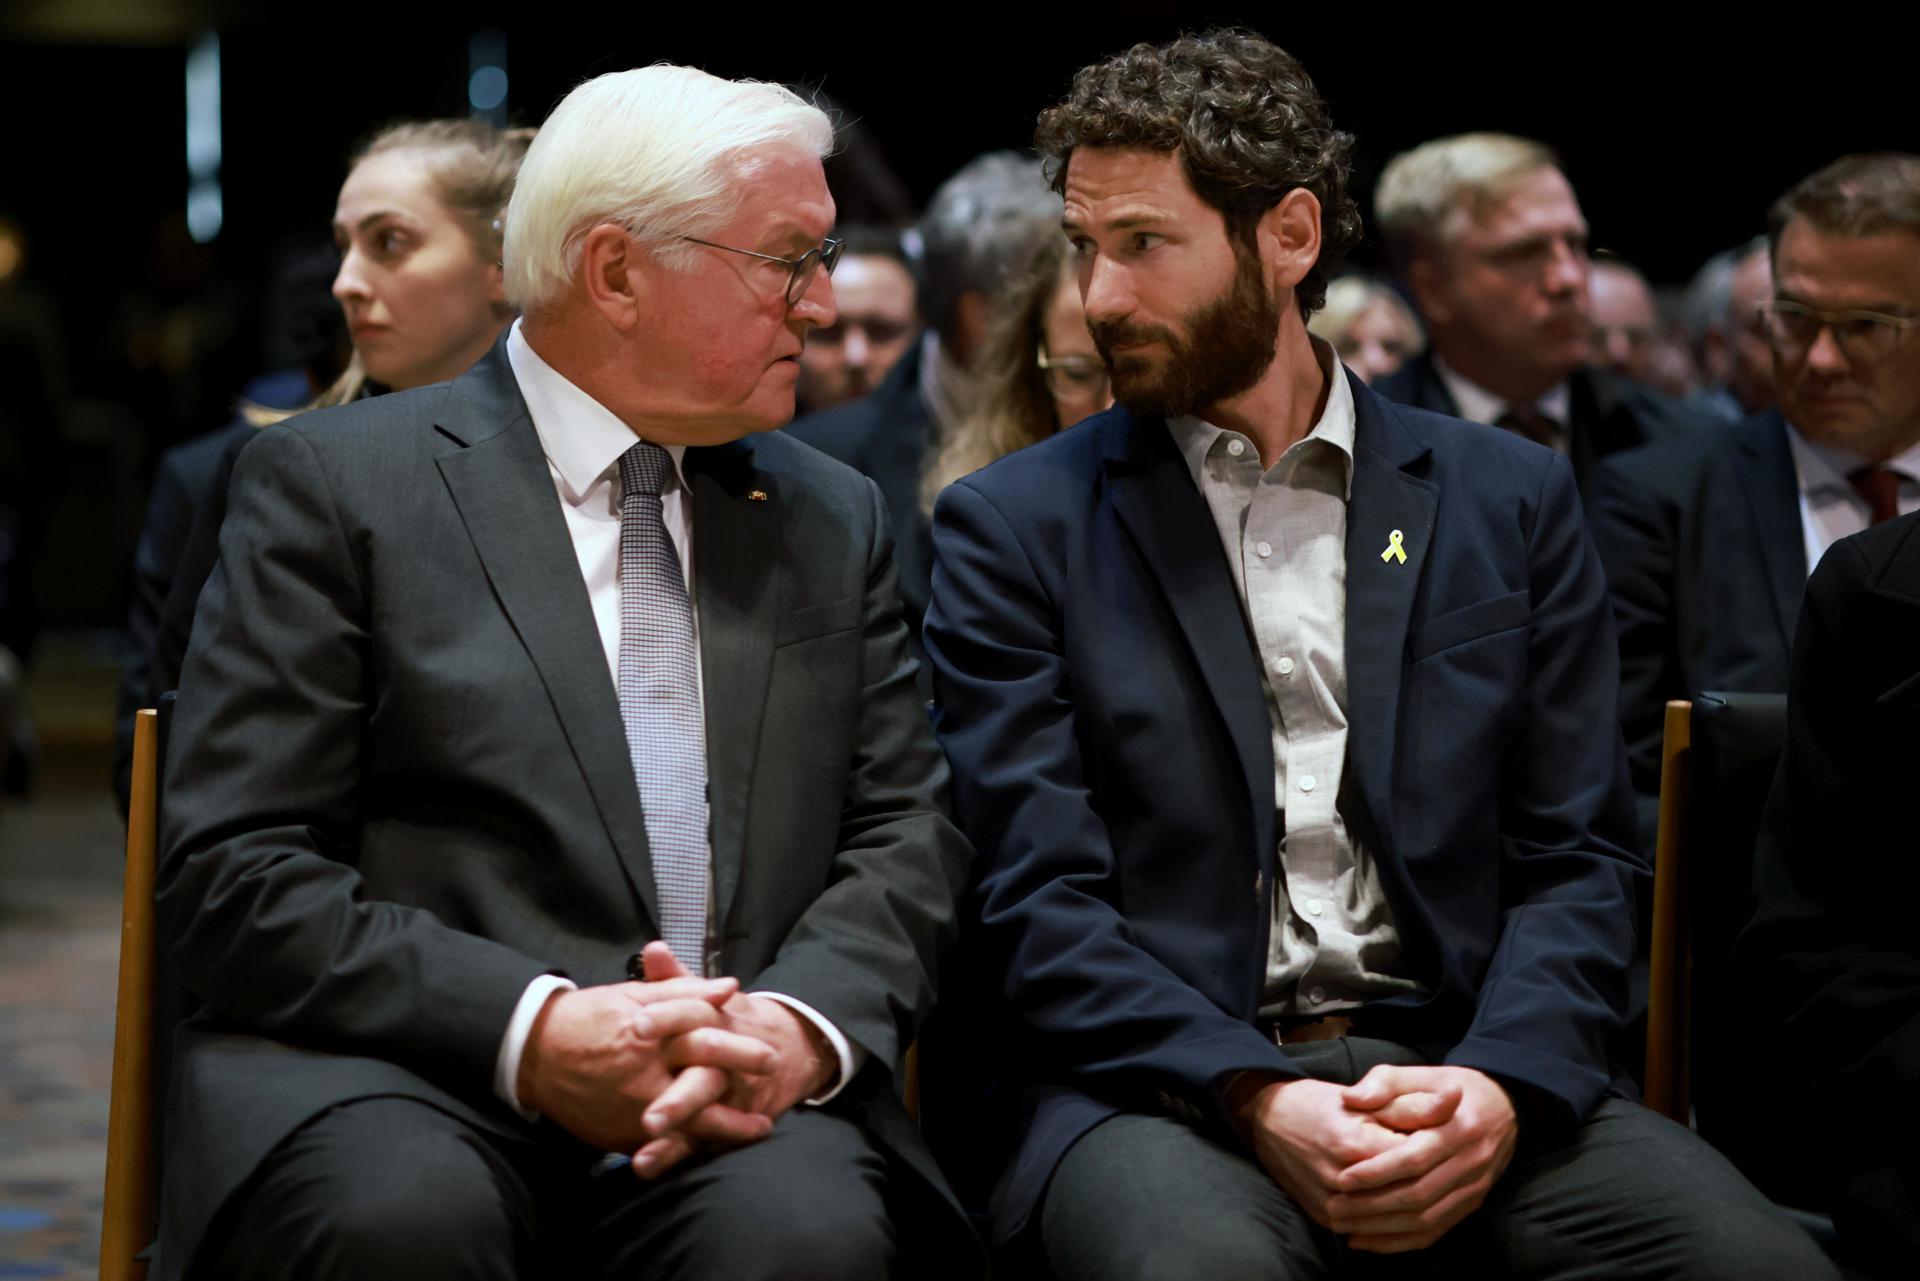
(671, 1066)
(1391, 1163)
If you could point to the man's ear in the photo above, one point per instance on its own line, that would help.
(1288, 236)
(614, 274)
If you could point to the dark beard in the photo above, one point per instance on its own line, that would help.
(1229, 344)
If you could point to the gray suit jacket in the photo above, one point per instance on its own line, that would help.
(399, 787)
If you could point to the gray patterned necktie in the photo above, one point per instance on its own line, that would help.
(660, 704)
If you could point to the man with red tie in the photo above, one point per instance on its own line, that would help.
(1708, 542)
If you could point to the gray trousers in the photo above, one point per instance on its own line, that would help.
(1631, 1196)
(393, 1188)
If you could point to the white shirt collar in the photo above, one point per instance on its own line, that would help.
(1821, 468)
(1335, 426)
(581, 437)
(1477, 404)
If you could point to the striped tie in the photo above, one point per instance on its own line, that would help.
(660, 704)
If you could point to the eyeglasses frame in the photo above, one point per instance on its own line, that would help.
(824, 255)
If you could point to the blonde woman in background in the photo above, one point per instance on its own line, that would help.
(1039, 373)
(418, 227)
(1372, 330)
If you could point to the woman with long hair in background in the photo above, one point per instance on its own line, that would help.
(1039, 372)
(418, 228)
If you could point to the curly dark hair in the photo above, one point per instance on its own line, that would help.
(1244, 116)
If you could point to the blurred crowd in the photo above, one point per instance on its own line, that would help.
(1722, 432)
(959, 338)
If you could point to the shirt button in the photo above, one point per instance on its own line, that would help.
(636, 968)
(1315, 907)
(1236, 447)
(1306, 783)
(1265, 549)
(1318, 995)
(1283, 665)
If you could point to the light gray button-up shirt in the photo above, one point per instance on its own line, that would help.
(1334, 944)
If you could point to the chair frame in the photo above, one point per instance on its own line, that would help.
(127, 1222)
(1669, 994)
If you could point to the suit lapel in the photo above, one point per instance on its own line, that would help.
(736, 538)
(500, 482)
(1380, 592)
(1154, 496)
(1589, 426)
(1772, 489)
(1899, 575)
(1897, 579)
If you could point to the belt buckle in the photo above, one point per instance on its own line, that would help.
(1323, 1027)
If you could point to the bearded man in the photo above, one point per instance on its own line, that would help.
(1282, 720)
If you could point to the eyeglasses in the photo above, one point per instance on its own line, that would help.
(1864, 336)
(799, 270)
(1074, 377)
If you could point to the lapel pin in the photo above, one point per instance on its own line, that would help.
(1396, 550)
(756, 495)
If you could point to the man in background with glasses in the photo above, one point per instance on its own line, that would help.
(1708, 541)
(549, 801)
(979, 227)
(879, 318)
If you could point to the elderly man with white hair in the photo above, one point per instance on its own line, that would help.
(553, 835)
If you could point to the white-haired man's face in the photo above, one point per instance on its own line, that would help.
(722, 347)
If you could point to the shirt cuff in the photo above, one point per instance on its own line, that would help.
(506, 1067)
(852, 1057)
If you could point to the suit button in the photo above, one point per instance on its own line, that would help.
(636, 968)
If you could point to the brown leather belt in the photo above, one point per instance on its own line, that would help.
(1327, 1027)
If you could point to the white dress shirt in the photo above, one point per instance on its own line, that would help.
(583, 442)
(1830, 507)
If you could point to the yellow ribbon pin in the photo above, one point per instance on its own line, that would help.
(1395, 549)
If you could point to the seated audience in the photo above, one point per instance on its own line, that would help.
(1625, 321)
(183, 485)
(1832, 944)
(540, 932)
(1738, 337)
(1708, 541)
(418, 230)
(1735, 360)
(1039, 373)
(978, 229)
(1489, 236)
(1279, 716)
(1371, 329)
(879, 321)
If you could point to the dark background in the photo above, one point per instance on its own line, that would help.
(1677, 133)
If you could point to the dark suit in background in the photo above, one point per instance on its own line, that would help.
(1607, 413)
(399, 789)
(1100, 699)
(885, 437)
(1706, 561)
(190, 478)
(1833, 952)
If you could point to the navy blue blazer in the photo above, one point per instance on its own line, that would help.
(1703, 547)
(1099, 699)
